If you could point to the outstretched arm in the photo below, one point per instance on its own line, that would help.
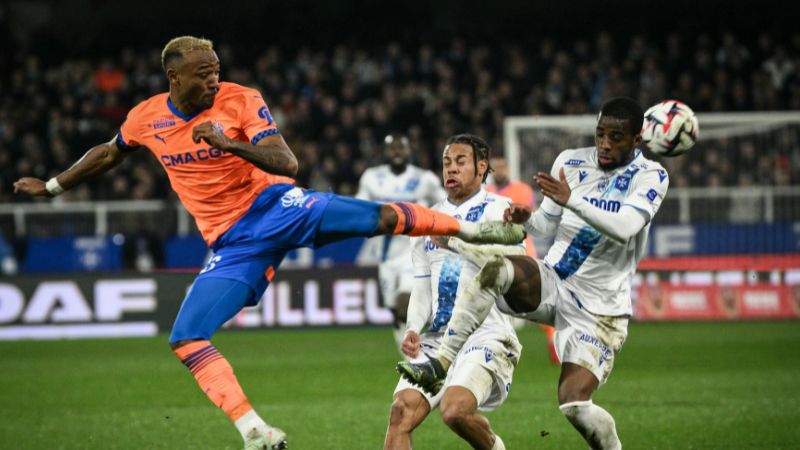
(539, 223)
(97, 160)
(270, 153)
(619, 226)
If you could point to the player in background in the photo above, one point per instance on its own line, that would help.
(599, 204)
(232, 170)
(482, 371)
(522, 194)
(397, 181)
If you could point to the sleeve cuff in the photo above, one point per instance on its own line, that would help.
(122, 145)
(574, 202)
(263, 134)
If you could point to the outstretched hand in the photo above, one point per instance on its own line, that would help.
(31, 186)
(441, 241)
(517, 213)
(211, 135)
(558, 190)
(410, 344)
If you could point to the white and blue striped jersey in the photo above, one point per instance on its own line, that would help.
(597, 269)
(450, 273)
(414, 185)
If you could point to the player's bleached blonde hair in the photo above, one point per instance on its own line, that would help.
(179, 46)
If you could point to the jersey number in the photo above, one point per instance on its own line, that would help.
(211, 264)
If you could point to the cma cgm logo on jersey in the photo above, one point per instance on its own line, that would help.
(190, 156)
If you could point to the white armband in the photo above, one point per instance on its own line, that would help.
(54, 187)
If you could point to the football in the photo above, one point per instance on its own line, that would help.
(670, 128)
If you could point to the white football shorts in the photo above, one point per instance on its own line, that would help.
(583, 338)
(484, 367)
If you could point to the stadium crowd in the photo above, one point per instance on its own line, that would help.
(334, 105)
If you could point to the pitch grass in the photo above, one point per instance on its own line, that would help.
(676, 386)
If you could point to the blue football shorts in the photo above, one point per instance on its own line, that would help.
(282, 218)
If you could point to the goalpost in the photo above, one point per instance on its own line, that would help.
(532, 142)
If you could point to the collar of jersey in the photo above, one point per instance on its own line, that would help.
(467, 200)
(180, 114)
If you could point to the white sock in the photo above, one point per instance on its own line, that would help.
(468, 229)
(594, 423)
(472, 308)
(498, 443)
(480, 254)
(250, 421)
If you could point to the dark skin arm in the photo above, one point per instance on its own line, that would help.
(270, 154)
(97, 160)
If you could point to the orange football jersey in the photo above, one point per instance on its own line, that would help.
(217, 188)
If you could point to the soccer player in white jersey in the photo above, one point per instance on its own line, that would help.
(482, 371)
(599, 202)
(397, 181)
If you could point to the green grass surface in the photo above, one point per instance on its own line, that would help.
(675, 386)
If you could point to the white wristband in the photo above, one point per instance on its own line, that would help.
(53, 187)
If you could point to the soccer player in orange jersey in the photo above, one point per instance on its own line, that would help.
(521, 193)
(232, 170)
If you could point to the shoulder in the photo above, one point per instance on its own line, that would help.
(492, 197)
(228, 88)
(440, 206)
(236, 93)
(650, 169)
(373, 171)
(496, 205)
(155, 105)
(575, 156)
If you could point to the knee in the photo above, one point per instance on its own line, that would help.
(400, 415)
(492, 273)
(453, 415)
(178, 344)
(387, 221)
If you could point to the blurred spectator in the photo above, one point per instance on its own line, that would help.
(331, 102)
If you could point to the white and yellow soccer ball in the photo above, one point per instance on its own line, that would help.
(670, 128)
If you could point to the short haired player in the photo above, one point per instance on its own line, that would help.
(599, 204)
(482, 371)
(232, 170)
